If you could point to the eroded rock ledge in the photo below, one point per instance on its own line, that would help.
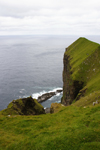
(46, 96)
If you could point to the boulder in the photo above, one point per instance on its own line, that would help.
(55, 107)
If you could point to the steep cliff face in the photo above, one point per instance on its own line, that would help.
(81, 69)
(70, 87)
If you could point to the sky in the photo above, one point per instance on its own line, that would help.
(54, 17)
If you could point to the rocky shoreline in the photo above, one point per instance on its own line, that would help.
(29, 105)
(48, 95)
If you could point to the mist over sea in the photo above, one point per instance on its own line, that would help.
(32, 65)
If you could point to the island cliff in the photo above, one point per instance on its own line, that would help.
(81, 73)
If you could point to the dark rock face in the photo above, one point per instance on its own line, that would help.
(81, 94)
(46, 96)
(24, 106)
(70, 88)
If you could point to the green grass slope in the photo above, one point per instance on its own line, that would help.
(85, 62)
(72, 128)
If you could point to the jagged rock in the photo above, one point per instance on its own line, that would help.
(24, 106)
(46, 96)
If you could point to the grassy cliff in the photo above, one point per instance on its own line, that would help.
(81, 75)
(71, 127)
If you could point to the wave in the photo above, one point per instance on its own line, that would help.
(22, 91)
(57, 96)
(36, 95)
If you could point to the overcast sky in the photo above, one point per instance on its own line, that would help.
(69, 17)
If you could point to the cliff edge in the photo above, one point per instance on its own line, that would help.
(81, 73)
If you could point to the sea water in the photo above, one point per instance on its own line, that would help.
(32, 66)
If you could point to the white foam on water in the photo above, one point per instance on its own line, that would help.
(58, 94)
(36, 95)
(50, 99)
(55, 89)
(22, 91)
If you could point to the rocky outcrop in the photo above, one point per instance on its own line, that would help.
(24, 106)
(55, 107)
(46, 96)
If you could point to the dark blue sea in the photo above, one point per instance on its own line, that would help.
(32, 65)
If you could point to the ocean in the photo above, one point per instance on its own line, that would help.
(32, 65)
